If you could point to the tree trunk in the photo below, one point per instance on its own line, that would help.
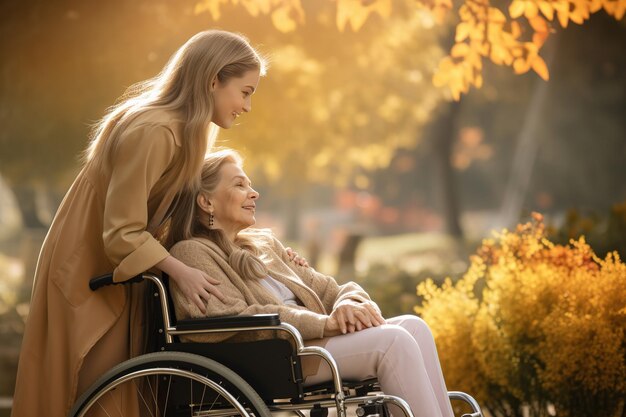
(346, 270)
(27, 202)
(33, 235)
(444, 133)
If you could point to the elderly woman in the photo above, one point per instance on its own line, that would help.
(211, 231)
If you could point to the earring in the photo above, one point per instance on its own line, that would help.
(211, 220)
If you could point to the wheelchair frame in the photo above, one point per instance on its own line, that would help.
(205, 371)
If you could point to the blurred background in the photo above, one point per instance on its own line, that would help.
(364, 167)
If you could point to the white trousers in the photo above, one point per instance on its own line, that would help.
(402, 355)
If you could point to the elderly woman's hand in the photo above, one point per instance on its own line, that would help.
(354, 316)
(295, 258)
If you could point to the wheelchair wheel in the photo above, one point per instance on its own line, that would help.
(169, 384)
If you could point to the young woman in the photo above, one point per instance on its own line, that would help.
(210, 231)
(146, 150)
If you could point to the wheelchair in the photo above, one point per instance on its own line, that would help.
(258, 378)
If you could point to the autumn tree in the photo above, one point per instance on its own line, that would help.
(508, 33)
(333, 107)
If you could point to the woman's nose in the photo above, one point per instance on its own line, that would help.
(254, 194)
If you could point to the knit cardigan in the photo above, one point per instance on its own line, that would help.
(318, 293)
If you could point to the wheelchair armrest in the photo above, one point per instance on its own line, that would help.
(107, 279)
(230, 322)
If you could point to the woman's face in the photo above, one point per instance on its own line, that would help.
(233, 97)
(233, 201)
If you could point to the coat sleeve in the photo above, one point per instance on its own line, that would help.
(141, 157)
(194, 254)
(325, 286)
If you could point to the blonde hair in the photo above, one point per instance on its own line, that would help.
(245, 254)
(183, 88)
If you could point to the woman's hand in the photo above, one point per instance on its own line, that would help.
(354, 316)
(332, 327)
(295, 258)
(195, 284)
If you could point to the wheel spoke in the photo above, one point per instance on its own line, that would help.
(154, 392)
(167, 396)
(106, 412)
(142, 397)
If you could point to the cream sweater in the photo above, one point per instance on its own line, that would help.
(318, 293)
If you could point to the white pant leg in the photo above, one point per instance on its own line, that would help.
(392, 354)
(420, 331)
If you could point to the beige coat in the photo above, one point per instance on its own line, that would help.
(99, 228)
(318, 293)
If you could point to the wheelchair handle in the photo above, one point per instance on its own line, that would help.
(107, 279)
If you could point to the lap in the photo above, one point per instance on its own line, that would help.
(359, 354)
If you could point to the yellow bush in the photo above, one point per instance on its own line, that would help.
(536, 324)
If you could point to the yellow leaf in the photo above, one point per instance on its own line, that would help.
(438, 79)
(465, 13)
(446, 65)
(516, 29)
(343, 13)
(456, 94)
(516, 9)
(531, 10)
(284, 19)
(539, 38)
(538, 23)
(484, 48)
(609, 6)
(577, 16)
(460, 50)
(595, 5)
(478, 32)
(498, 54)
(520, 66)
(383, 8)
(473, 58)
(496, 15)
(540, 67)
(255, 7)
(212, 6)
(462, 31)
(356, 12)
(563, 17)
(517, 52)
(446, 4)
(439, 14)
(478, 81)
(620, 10)
(547, 10)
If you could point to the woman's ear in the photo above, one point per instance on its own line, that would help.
(214, 84)
(204, 203)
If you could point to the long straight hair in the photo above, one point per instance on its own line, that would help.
(245, 254)
(183, 89)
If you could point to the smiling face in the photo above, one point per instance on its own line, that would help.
(233, 97)
(233, 203)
